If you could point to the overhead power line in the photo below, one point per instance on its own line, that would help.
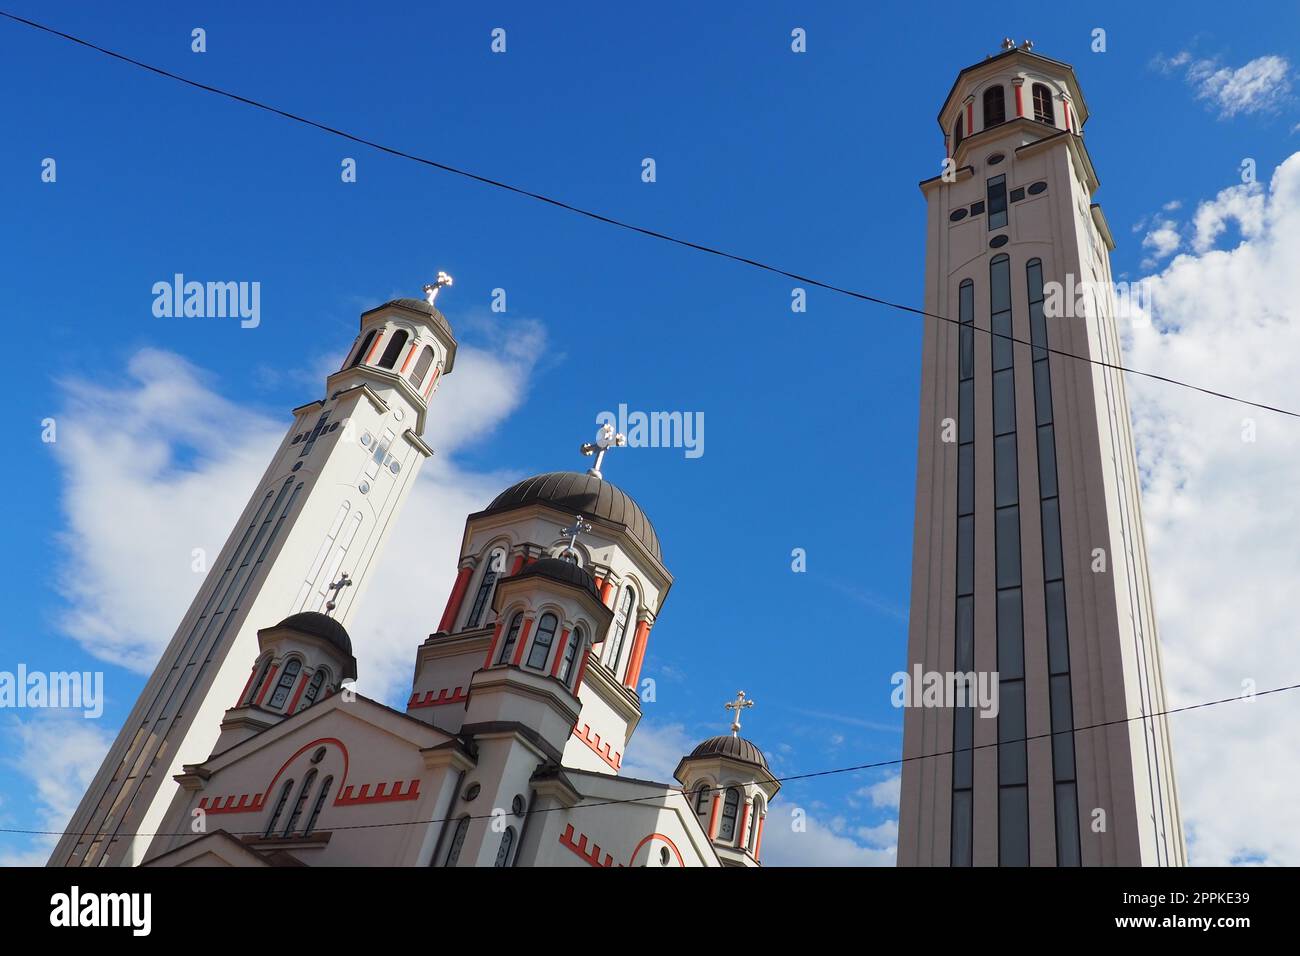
(877, 765)
(622, 224)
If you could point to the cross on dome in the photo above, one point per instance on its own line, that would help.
(739, 704)
(337, 587)
(580, 526)
(606, 439)
(431, 290)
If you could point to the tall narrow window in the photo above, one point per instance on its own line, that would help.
(964, 624)
(512, 635)
(285, 683)
(1044, 109)
(393, 351)
(997, 199)
(730, 810)
(702, 798)
(360, 356)
(755, 816)
(503, 851)
(299, 804)
(995, 106)
(958, 132)
(495, 561)
(279, 807)
(621, 618)
(570, 656)
(318, 806)
(256, 685)
(421, 367)
(457, 841)
(314, 687)
(540, 652)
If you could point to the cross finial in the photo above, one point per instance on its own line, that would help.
(739, 704)
(580, 526)
(431, 290)
(606, 439)
(337, 587)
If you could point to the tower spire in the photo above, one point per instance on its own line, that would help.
(737, 705)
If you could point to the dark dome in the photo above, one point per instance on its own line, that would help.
(581, 494)
(738, 748)
(559, 569)
(319, 625)
(424, 308)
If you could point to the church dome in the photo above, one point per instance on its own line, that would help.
(424, 308)
(737, 748)
(575, 493)
(558, 569)
(322, 626)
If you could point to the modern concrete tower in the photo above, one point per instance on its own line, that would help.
(309, 537)
(1029, 558)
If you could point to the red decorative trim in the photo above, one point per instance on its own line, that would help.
(266, 684)
(592, 855)
(582, 669)
(758, 840)
(247, 684)
(233, 804)
(638, 654)
(604, 751)
(559, 654)
(373, 349)
(410, 354)
(1066, 104)
(517, 565)
(523, 641)
(970, 118)
(454, 600)
(744, 824)
(713, 817)
(302, 685)
(492, 648)
(270, 787)
(652, 836)
(383, 793)
(444, 696)
(432, 382)
(1020, 100)
(607, 594)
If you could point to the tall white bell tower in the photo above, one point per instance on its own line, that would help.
(320, 513)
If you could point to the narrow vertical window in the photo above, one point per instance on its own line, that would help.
(621, 619)
(457, 841)
(495, 560)
(393, 351)
(254, 687)
(958, 132)
(964, 638)
(360, 355)
(279, 807)
(503, 851)
(285, 683)
(421, 367)
(997, 203)
(755, 816)
(298, 805)
(512, 635)
(318, 806)
(540, 652)
(1044, 109)
(730, 810)
(702, 798)
(314, 687)
(570, 656)
(995, 106)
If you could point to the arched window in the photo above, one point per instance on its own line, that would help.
(542, 640)
(512, 635)
(1044, 108)
(285, 683)
(318, 805)
(995, 106)
(393, 351)
(457, 841)
(365, 347)
(279, 807)
(624, 614)
(701, 798)
(495, 562)
(730, 808)
(503, 851)
(570, 656)
(755, 815)
(314, 687)
(301, 802)
(421, 367)
(254, 687)
(958, 132)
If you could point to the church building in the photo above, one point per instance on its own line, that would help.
(249, 746)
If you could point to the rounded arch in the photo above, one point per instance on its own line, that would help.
(1043, 96)
(421, 367)
(559, 548)
(993, 104)
(626, 604)
(570, 653)
(367, 340)
(657, 836)
(543, 637)
(729, 819)
(290, 668)
(510, 636)
(492, 567)
(261, 667)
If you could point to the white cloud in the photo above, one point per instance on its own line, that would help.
(818, 844)
(162, 463)
(1163, 241)
(57, 752)
(884, 793)
(1259, 86)
(655, 749)
(1222, 517)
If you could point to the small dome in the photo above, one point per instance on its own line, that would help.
(424, 308)
(575, 493)
(322, 626)
(737, 748)
(559, 569)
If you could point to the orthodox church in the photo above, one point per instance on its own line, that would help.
(249, 745)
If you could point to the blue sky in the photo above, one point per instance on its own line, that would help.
(809, 161)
